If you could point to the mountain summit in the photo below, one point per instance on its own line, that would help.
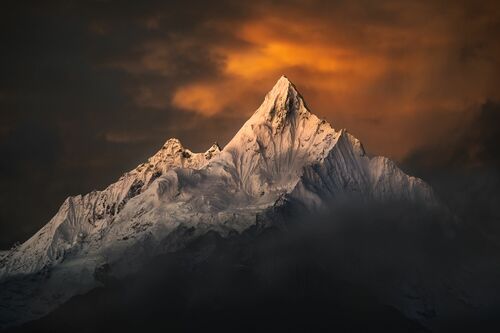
(283, 155)
(280, 138)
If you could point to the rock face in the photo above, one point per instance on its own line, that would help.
(282, 151)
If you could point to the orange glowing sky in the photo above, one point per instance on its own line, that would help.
(398, 76)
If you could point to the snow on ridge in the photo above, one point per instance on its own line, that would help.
(83, 215)
(173, 154)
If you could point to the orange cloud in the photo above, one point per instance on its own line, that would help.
(205, 99)
(391, 80)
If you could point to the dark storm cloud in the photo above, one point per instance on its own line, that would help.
(473, 144)
(463, 168)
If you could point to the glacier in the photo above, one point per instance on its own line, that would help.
(283, 155)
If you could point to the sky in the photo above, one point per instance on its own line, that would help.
(90, 89)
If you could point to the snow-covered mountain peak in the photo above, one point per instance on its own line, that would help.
(282, 104)
(356, 145)
(281, 89)
(172, 148)
(283, 113)
(280, 138)
(172, 143)
(174, 154)
(212, 151)
(283, 155)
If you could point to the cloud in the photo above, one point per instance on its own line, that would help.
(472, 145)
(397, 63)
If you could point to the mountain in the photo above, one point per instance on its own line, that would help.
(282, 156)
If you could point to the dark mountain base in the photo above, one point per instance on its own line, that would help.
(330, 273)
(217, 286)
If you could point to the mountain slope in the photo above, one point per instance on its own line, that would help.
(282, 151)
(80, 216)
